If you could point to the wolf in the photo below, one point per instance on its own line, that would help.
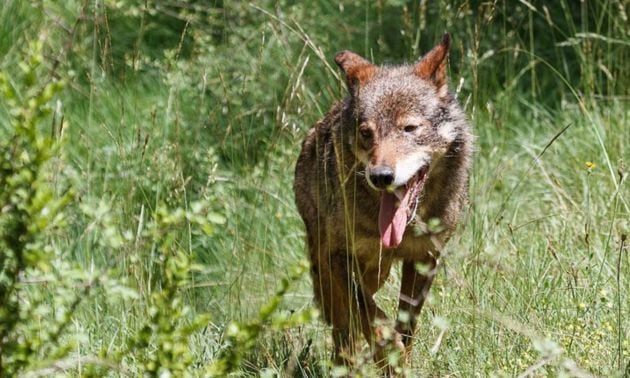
(383, 177)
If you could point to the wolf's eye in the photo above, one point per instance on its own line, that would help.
(410, 128)
(366, 133)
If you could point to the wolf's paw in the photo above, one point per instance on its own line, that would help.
(389, 353)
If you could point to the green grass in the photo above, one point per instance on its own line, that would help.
(179, 102)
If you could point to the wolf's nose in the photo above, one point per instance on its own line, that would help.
(381, 176)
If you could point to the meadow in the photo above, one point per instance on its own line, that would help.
(147, 219)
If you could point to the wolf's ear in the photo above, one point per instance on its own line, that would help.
(432, 66)
(358, 70)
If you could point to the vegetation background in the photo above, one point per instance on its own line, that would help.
(147, 224)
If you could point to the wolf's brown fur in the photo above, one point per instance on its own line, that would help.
(391, 114)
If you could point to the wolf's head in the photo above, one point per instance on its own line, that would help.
(400, 121)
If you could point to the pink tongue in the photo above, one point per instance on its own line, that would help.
(392, 220)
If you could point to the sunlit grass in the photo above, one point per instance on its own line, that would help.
(164, 106)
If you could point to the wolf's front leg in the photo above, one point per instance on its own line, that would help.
(374, 322)
(414, 289)
(333, 290)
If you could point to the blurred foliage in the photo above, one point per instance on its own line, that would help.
(30, 211)
(40, 289)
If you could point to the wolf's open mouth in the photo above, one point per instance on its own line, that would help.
(398, 208)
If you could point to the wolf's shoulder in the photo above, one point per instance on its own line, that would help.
(321, 133)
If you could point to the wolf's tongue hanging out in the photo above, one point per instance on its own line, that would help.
(392, 217)
(397, 207)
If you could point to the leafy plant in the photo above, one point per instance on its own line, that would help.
(31, 323)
